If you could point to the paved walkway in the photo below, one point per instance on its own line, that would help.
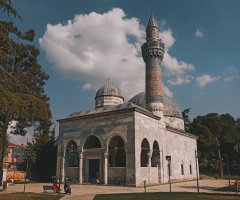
(87, 192)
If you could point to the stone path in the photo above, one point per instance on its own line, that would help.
(87, 192)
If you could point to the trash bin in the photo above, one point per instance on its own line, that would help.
(4, 185)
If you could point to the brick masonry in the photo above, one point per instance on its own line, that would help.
(153, 81)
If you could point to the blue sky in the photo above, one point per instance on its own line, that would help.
(83, 43)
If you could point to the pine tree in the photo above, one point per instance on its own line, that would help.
(22, 80)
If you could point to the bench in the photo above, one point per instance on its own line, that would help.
(48, 187)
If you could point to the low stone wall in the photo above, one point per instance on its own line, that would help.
(144, 175)
(154, 175)
(150, 175)
(16, 176)
(119, 172)
(72, 172)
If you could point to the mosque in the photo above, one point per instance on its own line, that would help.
(140, 141)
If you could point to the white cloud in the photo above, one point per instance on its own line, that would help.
(162, 22)
(87, 86)
(205, 79)
(198, 33)
(229, 78)
(93, 47)
(180, 80)
(174, 69)
(230, 74)
(17, 139)
(167, 91)
(167, 38)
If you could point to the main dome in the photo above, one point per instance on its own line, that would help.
(170, 108)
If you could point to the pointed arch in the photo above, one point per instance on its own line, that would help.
(155, 155)
(71, 154)
(92, 142)
(117, 154)
(145, 148)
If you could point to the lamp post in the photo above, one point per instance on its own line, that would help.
(15, 164)
(228, 171)
(196, 157)
(24, 188)
(168, 158)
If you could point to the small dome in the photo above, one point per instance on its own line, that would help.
(170, 107)
(109, 90)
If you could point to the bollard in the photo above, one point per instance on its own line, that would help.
(4, 185)
(144, 186)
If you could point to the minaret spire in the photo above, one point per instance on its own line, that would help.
(152, 53)
(152, 29)
(152, 21)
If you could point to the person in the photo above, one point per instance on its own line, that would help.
(236, 184)
(55, 186)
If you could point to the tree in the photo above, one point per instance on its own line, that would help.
(215, 134)
(29, 157)
(22, 80)
(46, 160)
(186, 119)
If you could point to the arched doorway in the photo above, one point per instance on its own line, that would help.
(117, 155)
(155, 155)
(144, 152)
(72, 155)
(92, 159)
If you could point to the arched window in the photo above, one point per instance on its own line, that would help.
(72, 155)
(144, 152)
(117, 155)
(155, 155)
(92, 142)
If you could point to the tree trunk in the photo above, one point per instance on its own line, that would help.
(29, 172)
(6, 121)
(220, 158)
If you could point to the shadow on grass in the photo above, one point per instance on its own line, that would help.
(232, 188)
(165, 195)
(30, 196)
(202, 187)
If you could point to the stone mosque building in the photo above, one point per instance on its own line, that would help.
(142, 140)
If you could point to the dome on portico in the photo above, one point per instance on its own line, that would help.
(109, 89)
(108, 95)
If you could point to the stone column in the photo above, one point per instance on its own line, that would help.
(59, 155)
(63, 168)
(4, 176)
(149, 166)
(80, 167)
(105, 155)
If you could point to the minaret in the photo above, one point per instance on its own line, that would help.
(152, 53)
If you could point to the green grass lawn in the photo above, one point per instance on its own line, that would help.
(165, 195)
(29, 196)
(233, 174)
(232, 188)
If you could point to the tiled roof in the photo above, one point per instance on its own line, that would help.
(106, 109)
(10, 144)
